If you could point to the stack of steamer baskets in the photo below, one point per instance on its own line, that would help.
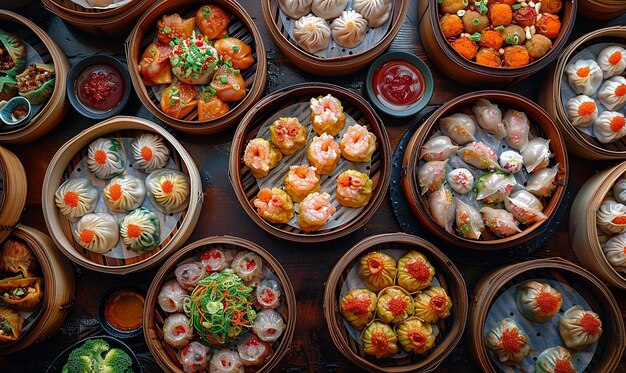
(168, 225)
(243, 268)
(145, 44)
(601, 9)
(423, 279)
(504, 306)
(31, 253)
(40, 49)
(461, 69)
(448, 206)
(556, 92)
(112, 21)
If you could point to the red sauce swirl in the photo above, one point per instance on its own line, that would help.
(398, 84)
(100, 87)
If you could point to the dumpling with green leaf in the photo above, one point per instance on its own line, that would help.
(12, 54)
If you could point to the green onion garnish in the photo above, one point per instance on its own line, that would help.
(516, 6)
(475, 36)
(223, 79)
(499, 28)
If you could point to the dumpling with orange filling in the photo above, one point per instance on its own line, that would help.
(212, 21)
(414, 271)
(538, 301)
(432, 304)
(154, 66)
(394, 305)
(377, 270)
(235, 51)
(210, 106)
(274, 205)
(172, 26)
(358, 307)
(379, 340)
(288, 135)
(228, 84)
(178, 100)
(415, 336)
(354, 188)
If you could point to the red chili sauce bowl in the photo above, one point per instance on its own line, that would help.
(399, 84)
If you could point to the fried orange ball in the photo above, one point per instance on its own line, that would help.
(491, 39)
(466, 47)
(551, 6)
(516, 56)
(548, 25)
(488, 57)
(500, 14)
(451, 25)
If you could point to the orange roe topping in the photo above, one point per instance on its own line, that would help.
(167, 186)
(86, 236)
(396, 306)
(133, 231)
(510, 341)
(146, 153)
(438, 303)
(619, 220)
(547, 302)
(589, 323)
(620, 90)
(583, 71)
(615, 58)
(563, 366)
(358, 305)
(586, 108)
(617, 123)
(71, 199)
(265, 195)
(375, 265)
(418, 269)
(416, 338)
(100, 156)
(379, 341)
(115, 191)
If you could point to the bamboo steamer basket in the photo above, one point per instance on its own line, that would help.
(584, 233)
(153, 316)
(541, 125)
(56, 107)
(12, 4)
(445, 271)
(70, 154)
(244, 29)
(457, 68)
(116, 22)
(329, 66)
(611, 344)
(245, 184)
(12, 191)
(579, 143)
(601, 10)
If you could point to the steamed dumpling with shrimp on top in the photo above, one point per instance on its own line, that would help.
(168, 190)
(261, 156)
(327, 115)
(301, 181)
(288, 135)
(358, 144)
(354, 189)
(274, 205)
(323, 153)
(315, 211)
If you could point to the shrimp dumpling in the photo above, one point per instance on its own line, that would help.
(268, 294)
(613, 93)
(394, 305)
(517, 129)
(261, 156)
(124, 193)
(274, 205)
(295, 8)
(301, 181)
(377, 270)
(579, 327)
(358, 307)
(538, 301)
(611, 217)
(150, 152)
(438, 148)
(584, 76)
(431, 176)
(479, 155)
(328, 9)
(511, 161)
(315, 211)
(508, 341)
(168, 190)
(500, 222)
(376, 12)
(141, 230)
(581, 110)
(349, 29)
(177, 330)
(268, 325)
(324, 154)
(461, 128)
(414, 271)
(226, 361)
(76, 197)
(525, 207)
(379, 340)
(171, 297)
(543, 182)
(327, 115)
(554, 360)
(460, 180)
(537, 154)
(288, 135)
(358, 144)
(188, 274)
(494, 187)
(253, 351)
(614, 251)
(469, 222)
(489, 118)
(415, 336)
(248, 266)
(609, 126)
(97, 233)
(216, 259)
(442, 207)
(612, 61)
(354, 189)
(194, 357)
(312, 33)
(432, 304)
(105, 158)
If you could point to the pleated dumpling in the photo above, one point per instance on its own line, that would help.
(415, 336)
(581, 110)
(328, 9)
(511, 161)
(394, 305)
(171, 297)
(312, 33)
(525, 207)
(469, 222)
(613, 93)
(508, 341)
(150, 152)
(460, 180)
(442, 207)
(543, 182)
(438, 148)
(431, 176)
(538, 301)
(494, 187)
(517, 129)
(619, 190)
(11, 323)
(609, 126)
(358, 307)
(537, 154)
(377, 270)
(168, 190)
(124, 193)
(461, 128)
(432, 304)
(253, 351)
(612, 61)
(105, 158)
(226, 361)
(141, 230)
(295, 8)
(98, 233)
(614, 251)
(414, 271)
(377, 12)
(268, 325)
(379, 340)
(479, 155)
(248, 266)
(579, 327)
(611, 217)
(489, 118)
(76, 197)
(349, 29)
(500, 222)
(554, 360)
(177, 330)
(584, 76)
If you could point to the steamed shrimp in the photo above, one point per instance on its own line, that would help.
(261, 156)
(327, 115)
(358, 144)
(288, 135)
(323, 153)
(315, 211)
(301, 181)
(354, 188)
(274, 205)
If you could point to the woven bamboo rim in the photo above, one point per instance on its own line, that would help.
(540, 121)
(330, 66)
(612, 342)
(57, 224)
(449, 277)
(59, 285)
(583, 228)
(73, 9)
(153, 318)
(458, 68)
(255, 76)
(579, 143)
(13, 194)
(245, 185)
(56, 107)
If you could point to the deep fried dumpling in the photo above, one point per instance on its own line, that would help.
(585, 76)
(432, 304)
(168, 190)
(23, 294)
(312, 33)
(379, 340)
(358, 307)
(377, 270)
(212, 21)
(415, 336)
(611, 217)
(508, 341)
(76, 197)
(11, 323)
(17, 257)
(579, 327)
(105, 158)
(172, 26)
(414, 271)
(98, 233)
(124, 193)
(538, 301)
(150, 152)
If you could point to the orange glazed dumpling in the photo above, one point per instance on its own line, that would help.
(377, 270)
(261, 156)
(327, 115)
(235, 51)
(432, 304)
(415, 336)
(173, 26)
(358, 307)
(379, 340)
(212, 21)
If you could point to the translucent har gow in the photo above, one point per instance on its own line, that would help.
(97, 233)
(460, 180)
(177, 331)
(268, 325)
(612, 61)
(500, 222)
(508, 341)
(442, 207)
(189, 274)
(543, 182)
(479, 155)
(489, 118)
(614, 251)
(377, 12)
(252, 351)
(525, 207)
(248, 266)
(348, 30)
(431, 176)
(312, 33)
(613, 93)
(537, 154)
(76, 197)
(581, 110)
(194, 357)
(268, 294)
(328, 9)
(295, 8)
(584, 76)
(461, 128)
(226, 361)
(517, 129)
(469, 222)
(511, 161)
(216, 259)
(609, 126)
(611, 217)
(171, 297)
(438, 148)
(579, 327)
(494, 187)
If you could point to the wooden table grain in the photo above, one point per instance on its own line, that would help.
(307, 265)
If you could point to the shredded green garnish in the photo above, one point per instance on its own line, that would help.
(172, 102)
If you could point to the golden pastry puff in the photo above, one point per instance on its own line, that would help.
(22, 294)
(354, 188)
(10, 324)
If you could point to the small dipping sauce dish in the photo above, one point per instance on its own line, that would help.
(121, 311)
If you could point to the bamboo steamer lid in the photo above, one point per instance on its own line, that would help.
(12, 191)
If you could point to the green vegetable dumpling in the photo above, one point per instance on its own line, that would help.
(36, 83)
(12, 54)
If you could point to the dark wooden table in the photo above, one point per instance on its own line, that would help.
(308, 265)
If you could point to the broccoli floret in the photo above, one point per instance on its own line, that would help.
(116, 361)
(77, 363)
(88, 358)
(96, 346)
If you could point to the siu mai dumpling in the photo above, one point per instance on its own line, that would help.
(261, 156)
(438, 148)
(432, 304)
(479, 155)
(23, 294)
(274, 205)
(581, 110)
(508, 341)
(613, 93)
(612, 61)
(172, 26)
(212, 21)
(327, 115)
(525, 207)
(579, 327)
(394, 305)
(141, 230)
(489, 118)
(414, 271)
(354, 189)
(538, 301)
(226, 361)
(584, 76)
(150, 152)
(500, 222)
(124, 193)
(168, 190)
(415, 336)
(315, 211)
(301, 181)
(611, 217)
(323, 153)
(105, 158)
(469, 222)
(431, 176)
(288, 135)
(377, 270)
(379, 340)
(97, 233)
(11, 323)
(76, 197)
(358, 144)
(555, 360)
(358, 307)
(461, 128)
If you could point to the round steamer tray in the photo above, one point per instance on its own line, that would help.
(345, 220)
(69, 155)
(459, 69)
(350, 61)
(241, 26)
(409, 223)
(50, 113)
(153, 317)
(610, 347)
(450, 329)
(541, 124)
(578, 142)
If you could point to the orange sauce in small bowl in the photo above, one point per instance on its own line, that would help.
(124, 310)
